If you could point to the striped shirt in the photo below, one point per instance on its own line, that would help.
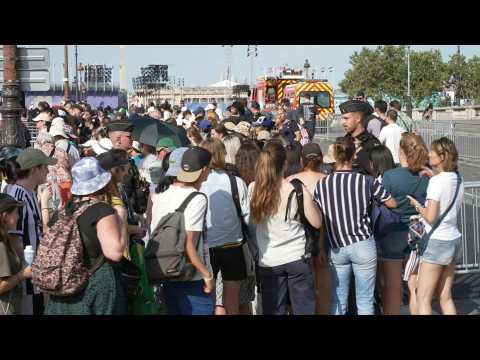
(29, 226)
(345, 198)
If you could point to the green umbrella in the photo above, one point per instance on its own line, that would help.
(148, 131)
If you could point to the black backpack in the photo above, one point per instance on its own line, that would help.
(312, 244)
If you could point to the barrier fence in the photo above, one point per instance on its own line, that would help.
(469, 225)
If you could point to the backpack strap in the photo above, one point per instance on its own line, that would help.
(68, 148)
(298, 186)
(189, 198)
(52, 152)
(236, 200)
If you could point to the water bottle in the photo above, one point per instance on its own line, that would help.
(29, 254)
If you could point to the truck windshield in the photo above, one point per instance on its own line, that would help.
(320, 98)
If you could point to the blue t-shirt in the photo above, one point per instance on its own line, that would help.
(400, 182)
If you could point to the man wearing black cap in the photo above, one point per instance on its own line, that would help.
(136, 190)
(354, 113)
(361, 96)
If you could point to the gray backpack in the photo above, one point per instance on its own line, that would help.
(165, 255)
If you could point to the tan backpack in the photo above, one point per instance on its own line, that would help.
(59, 266)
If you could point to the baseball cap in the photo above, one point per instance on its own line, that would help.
(193, 161)
(209, 107)
(42, 117)
(198, 110)
(175, 161)
(205, 124)
(311, 150)
(136, 146)
(166, 143)
(7, 202)
(110, 159)
(30, 158)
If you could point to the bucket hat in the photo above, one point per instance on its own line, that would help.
(88, 176)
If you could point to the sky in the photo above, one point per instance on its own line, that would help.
(202, 65)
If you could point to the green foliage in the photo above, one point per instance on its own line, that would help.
(382, 72)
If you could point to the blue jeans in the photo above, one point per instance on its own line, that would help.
(188, 298)
(362, 258)
(292, 283)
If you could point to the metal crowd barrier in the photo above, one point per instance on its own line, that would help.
(468, 144)
(469, 225)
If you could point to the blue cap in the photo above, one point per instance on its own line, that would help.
(175, 161)
(199, 110)
(205, 124)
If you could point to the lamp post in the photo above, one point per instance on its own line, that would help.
(10, 134)
(306, 69)
(66, 90)
(331, 70)
(252, 53)
(408, 105)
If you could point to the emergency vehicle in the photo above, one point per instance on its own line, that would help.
(270, 88)
(317, 92)
(287, 83)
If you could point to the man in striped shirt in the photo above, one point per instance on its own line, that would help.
(33, 172)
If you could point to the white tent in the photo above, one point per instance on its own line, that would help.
(224, 83)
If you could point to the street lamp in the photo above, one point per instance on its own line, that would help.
(10, 134)
(306, 68)
(409, 99)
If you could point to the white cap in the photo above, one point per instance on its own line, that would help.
(150, 109)
(209, 107)
(58, 122)
(183, 109)
(102, 146)
(42, 117)
(62, 113)
(136, 146)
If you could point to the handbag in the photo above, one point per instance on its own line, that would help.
(130, 276)
(422, 243)
(383, 219)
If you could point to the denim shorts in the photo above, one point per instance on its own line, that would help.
(442, 252)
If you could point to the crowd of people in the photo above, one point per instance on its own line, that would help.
(249, 218)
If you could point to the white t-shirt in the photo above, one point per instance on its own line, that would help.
(223, 224)
(442, 188)
(144, 166)
(169, 201)
(73, 153)
(280, 242)
(390, 136)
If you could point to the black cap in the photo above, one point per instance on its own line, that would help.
(311, 149)
(120, 126)
(111, 159)
(8, 202)
(255, 105)
(356, 106)
(193, 161)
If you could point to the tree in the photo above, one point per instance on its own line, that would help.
(428, 73)
(473, 70)
(378, 72)
(383, 73)
(458, 75)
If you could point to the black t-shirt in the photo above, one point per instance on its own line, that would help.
(87, 225)
(289, 130)
(362, 162)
